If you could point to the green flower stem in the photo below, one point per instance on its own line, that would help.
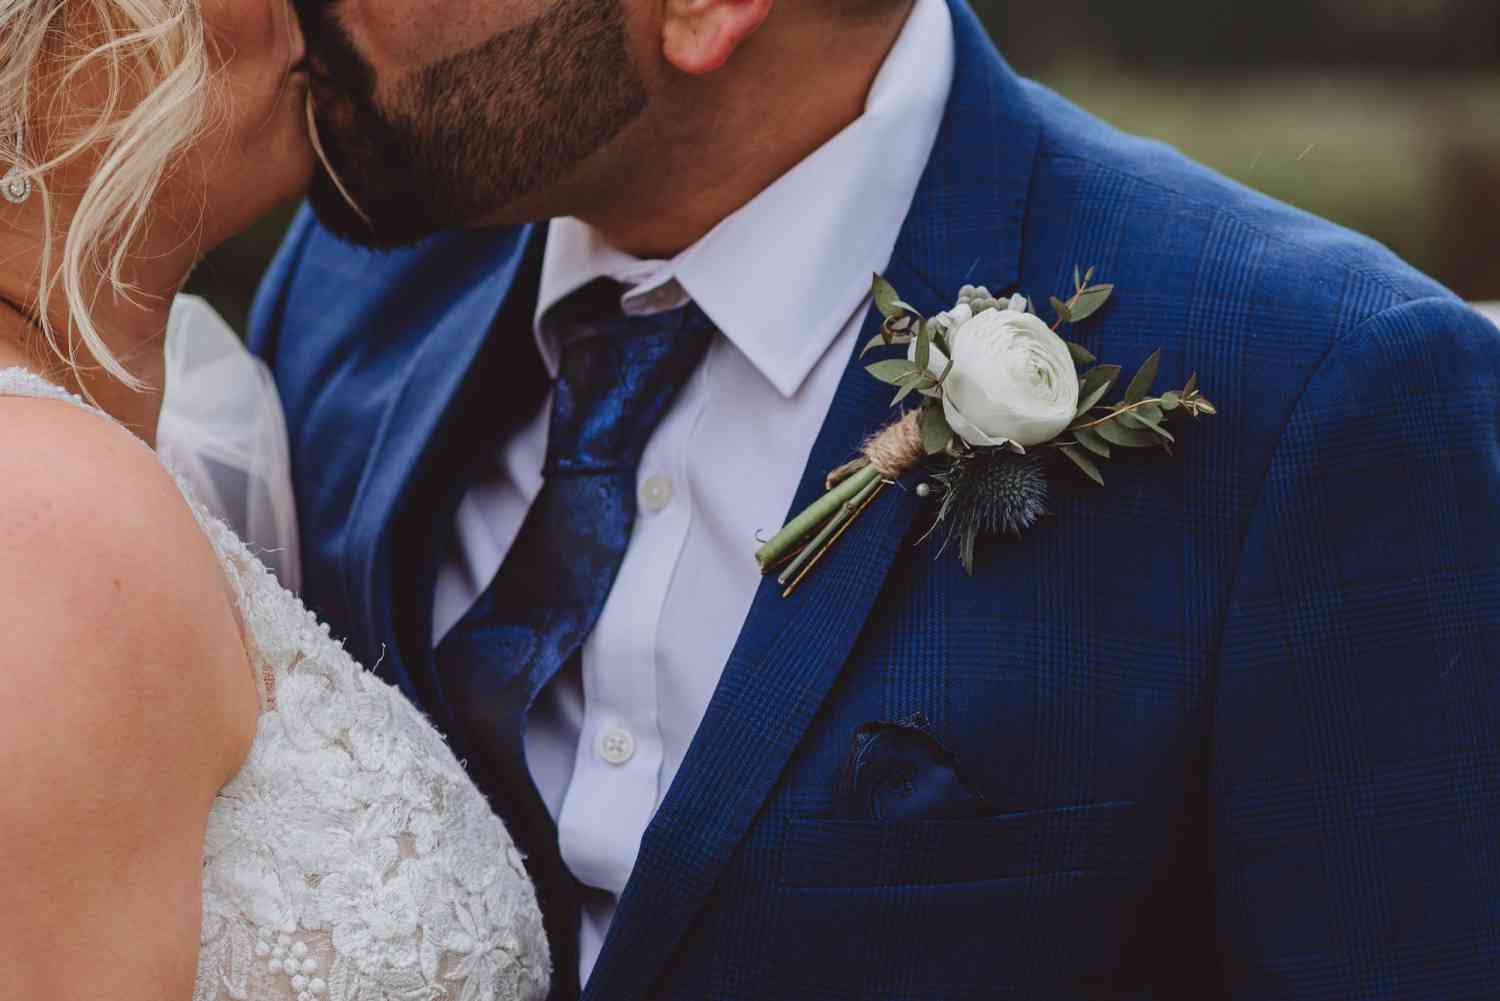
(818, 512)
(1115, 412)
(830, 531)
(845, 471)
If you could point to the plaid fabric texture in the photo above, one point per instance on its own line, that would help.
(1236, 712)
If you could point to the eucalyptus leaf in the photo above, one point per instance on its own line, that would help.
(1089, 439)
(1088, 276)
(1146, 415)
(886, 299)
(1064, 315)
(1090, 301)
(1094, 384)
(1081, 354)
(1171, 400)
(1087, 403)
(909, 386)
(924, 346)
(1141, 384)
(1077, 279)
(892, 371)
(1151, 413)
(882, 340)
(1192, 384)
(1206, 407)
(1112, 432)
(1081, 459)
(1135, 420)
(935, 430)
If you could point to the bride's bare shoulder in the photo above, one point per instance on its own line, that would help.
(127, 704)
(117, 635)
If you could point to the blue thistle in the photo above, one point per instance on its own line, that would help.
(989, 491)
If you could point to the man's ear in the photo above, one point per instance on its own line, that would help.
(699, 36)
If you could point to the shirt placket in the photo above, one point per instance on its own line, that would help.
(617, 770)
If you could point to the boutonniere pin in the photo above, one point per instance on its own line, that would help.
(1003, 401)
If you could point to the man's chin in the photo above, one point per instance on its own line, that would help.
(387, 227)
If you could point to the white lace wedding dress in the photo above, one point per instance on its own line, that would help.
(351, 859)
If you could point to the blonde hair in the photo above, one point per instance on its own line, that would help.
(151, 58)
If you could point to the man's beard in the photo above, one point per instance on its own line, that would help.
(469, 135)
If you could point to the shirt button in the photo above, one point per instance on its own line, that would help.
(615, 746)
(656, 493)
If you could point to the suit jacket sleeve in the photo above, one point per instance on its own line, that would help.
(1356, 762)
(270, 298)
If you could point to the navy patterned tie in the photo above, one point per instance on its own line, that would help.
(617, 378)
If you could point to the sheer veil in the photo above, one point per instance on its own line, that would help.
(223, 431)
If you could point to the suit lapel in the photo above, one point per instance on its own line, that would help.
(451, 404)
(964, 226)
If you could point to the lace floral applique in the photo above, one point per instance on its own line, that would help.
(352, 859)
(354, 840)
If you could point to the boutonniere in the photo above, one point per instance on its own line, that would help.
(1003, 401)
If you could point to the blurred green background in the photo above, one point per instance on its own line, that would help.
(1383, 115)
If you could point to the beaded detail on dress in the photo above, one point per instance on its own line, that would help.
(351, 859)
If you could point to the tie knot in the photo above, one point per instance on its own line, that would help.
(617, 377)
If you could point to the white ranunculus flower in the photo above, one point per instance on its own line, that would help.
(1013, 380)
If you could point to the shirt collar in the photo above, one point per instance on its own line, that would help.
(783, 275)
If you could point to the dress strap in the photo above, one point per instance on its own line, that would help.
(24, 382)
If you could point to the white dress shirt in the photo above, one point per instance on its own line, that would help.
(786, 282)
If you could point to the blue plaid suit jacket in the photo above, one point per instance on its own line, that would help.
(1235, 715)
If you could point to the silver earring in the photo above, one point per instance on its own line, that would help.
(15, 186)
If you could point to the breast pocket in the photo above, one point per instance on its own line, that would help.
(1018, 905)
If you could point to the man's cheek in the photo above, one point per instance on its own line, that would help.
(401, 37)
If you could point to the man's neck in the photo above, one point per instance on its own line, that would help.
(715, 143)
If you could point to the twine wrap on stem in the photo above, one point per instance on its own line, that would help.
(892, 450)
(884, 457)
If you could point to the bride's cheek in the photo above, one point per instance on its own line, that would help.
(252, 40)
